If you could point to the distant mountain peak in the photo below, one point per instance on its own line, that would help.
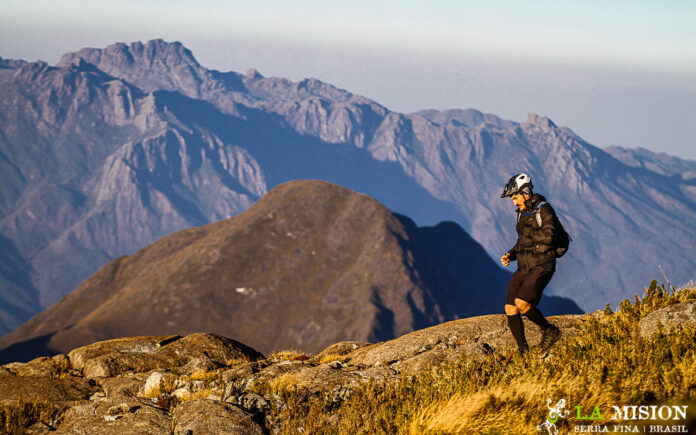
(166, 51)
(169, 53)
(540, 121)
(159, 43)
(253, 73)
(155, 65)
(11, 63)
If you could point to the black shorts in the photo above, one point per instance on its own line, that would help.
(528, 286)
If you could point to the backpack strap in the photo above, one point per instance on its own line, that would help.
(538, 214)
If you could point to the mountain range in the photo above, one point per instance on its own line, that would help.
(114, 148)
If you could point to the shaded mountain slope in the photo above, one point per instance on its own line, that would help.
(309, 264)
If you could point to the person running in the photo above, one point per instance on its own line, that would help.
(536, 261)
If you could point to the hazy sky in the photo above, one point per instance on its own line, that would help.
(616, 72)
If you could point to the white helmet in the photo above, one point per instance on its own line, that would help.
(517, 184)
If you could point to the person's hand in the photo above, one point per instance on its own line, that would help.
(505, 259)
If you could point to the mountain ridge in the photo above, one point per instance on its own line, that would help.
(618, 215)
(661, 163)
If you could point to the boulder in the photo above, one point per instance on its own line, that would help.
(142, 354)
(39, 428)
(124, 385)
(252, 402)
(207, 351)
(209, 417)
(153, 384)
(119, 404)
(673, 316)
(40, 388)
(43, 366)
(125, 419)
(113, 357)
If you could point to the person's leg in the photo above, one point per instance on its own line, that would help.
(532, 313)
(514, 319)
(516, 326)
(529, 296)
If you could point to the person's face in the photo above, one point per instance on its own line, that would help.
(519, 200)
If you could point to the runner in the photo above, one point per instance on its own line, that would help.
(535, 254)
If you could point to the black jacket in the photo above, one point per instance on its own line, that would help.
(534, 248)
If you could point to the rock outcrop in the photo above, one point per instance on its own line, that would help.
(665, 319)
(209, 416)
(210, 384)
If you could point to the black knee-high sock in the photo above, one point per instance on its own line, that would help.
(535, 316)
(517, 329)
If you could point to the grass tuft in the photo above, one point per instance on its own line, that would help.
(289, 355)
(16, 418)
(331, 358)
(234, 362)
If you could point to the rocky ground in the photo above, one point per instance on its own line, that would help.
(204, 383)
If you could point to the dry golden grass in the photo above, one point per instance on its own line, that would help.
(605, 363)
(15, 418)
(283, 384)
(495, 410)
(331, 358)
(234, 362)
(202, 375)
(289, 355)
(479, 412)
(63, 369)
(201, 394)
(152, 394)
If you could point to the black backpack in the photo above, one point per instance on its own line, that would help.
(561, 239)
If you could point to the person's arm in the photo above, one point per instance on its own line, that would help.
(512, 253)
(509, 256)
